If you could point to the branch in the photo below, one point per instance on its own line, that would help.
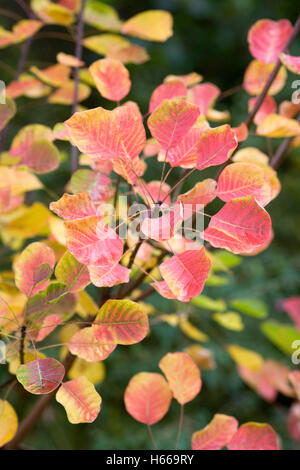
(78, 54)
(272, 76)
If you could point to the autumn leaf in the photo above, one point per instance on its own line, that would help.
(186, 273)
(8, 422)
(41, 376)
(120, 322)
(216, 435)
(27, 265)
(80, 400)
(153, 25)
(240, 226)
(171, 121)
(267, 39)
(84, 345)
(111, 78)
(147, 397)
(182, 375)
(254, 436)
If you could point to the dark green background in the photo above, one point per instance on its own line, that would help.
(210, 37)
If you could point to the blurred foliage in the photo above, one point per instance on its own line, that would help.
(210, 37)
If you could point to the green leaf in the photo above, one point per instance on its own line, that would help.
(214, 280)
(253, 307)
(229, 260)
(281, 335)
(207, 303)
(101, 16)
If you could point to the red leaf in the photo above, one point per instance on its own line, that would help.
(186, 273)
(240, 226)
(171, 121)
(215, 146)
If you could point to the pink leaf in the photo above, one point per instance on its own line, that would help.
(108, 276)
(204, 96)
(254, 436)
(293, 422)
(163, 227)
(240, 226)
(167, 91)
(267, 39)
(294, 378)
(292, 63)
(28, 264)
(163, 289)
(186, 273)
(111, 78)
(185, 154)
(49, 323)
(292, 307)
(171, 121)
(215, 146)
(267, 107)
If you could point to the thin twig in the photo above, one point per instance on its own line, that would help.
(151, 436)
(180, 423)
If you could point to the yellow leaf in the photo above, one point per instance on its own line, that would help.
(8, 422)
(172, 320)
(275, 125)
(86, 305)
(28, 223)
(192, 331)
(229, 320)
(245, 357)
(93, 371)
(153, 25)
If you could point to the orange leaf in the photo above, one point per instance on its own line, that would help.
(217, 434)
(147, 397)
(111, 78)
(84, 345)
(182, 375)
